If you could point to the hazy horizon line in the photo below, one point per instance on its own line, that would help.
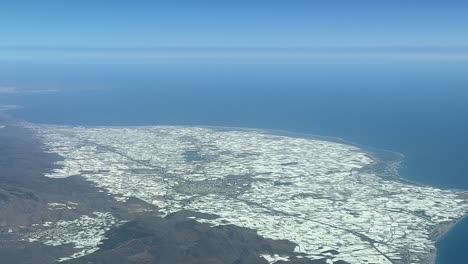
(377, 48)
(200, 52)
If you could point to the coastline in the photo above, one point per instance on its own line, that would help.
(385, 161)
(382, 157)
(443, 230)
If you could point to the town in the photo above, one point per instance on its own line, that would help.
(320, 194)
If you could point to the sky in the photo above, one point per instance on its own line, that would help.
(241, 23)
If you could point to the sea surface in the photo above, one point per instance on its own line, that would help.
(415, 106)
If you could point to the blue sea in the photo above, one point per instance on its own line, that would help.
(415, 106)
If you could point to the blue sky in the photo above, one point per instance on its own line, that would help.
(202, 23)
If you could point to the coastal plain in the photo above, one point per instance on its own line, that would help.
(332, 200)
